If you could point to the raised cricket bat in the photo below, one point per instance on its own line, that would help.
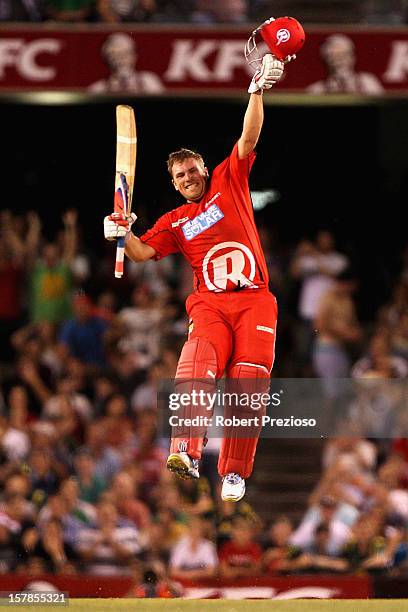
(126, 140)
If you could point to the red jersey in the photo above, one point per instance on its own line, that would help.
(216, 235)
(240, 556)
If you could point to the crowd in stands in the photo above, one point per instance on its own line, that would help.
(82, 450)
(204, 12)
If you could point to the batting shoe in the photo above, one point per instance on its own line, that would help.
(233, 487)
(183, 465)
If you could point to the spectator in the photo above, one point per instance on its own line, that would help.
(107, 460)
(142, 327)
(380, 359)
(9, 532)
(119, 54)
(82, 336)
(107, 549)
(146, 395)
(378, 12)
(43, 477)
(337, 330)
(50, 279)
(174, 11)
(364, 542)
(375, 406)
(148, 454)
(21, 10)
(280, 555)
(339, 57)
(44, 335)
(240, 556)
(15, 441)
(315, 265)
(193, 557)
(222, 11)
(70, 11)
(339, 533)
(124, 494)
(319, 559)
(390, 314)
(50, 546)
(117, 427)
(11, 277)
(225, 515)
(90, 484)
(116, 11)
(399, 338)
(196, 496)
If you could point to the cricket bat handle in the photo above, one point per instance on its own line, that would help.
(120, 256)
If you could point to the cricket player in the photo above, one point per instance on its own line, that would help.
(232, 315)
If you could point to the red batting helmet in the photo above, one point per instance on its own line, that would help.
(284, 37)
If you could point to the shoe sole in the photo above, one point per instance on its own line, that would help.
(233, 499)
(176, 465)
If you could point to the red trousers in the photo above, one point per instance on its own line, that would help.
(233, 334)
(241, 325)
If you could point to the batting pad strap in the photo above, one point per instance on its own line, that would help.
(246, 371)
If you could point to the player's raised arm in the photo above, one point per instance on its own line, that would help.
(269, 73)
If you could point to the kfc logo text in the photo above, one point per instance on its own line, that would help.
(24, 57)
(229, 265)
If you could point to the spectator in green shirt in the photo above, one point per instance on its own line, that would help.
(70, 10)
(50, 280)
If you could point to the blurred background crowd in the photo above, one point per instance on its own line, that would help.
(204, 12)
(82, 454)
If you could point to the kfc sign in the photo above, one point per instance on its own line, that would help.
(136, 61)
(190, 60)
(34, 61)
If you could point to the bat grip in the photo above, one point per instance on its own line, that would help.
(120, 256)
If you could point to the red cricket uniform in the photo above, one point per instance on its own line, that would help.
(231, 306)
(218, 237)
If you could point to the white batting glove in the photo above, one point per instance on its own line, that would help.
(117, 225)
(269, 73)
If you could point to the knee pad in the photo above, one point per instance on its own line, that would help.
(196, 376)
(198, 359)
(239, 444)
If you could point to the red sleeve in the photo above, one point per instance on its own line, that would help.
(224, 552)
(241, 167)
(161, 237)
(256, 552)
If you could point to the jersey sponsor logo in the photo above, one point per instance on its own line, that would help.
(202, 222)
(229, 265)
(179, 222)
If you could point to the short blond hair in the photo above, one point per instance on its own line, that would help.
(180, 156)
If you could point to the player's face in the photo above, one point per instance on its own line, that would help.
(190, 178)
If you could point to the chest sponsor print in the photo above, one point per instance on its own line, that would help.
(202, 222)
(228, 266)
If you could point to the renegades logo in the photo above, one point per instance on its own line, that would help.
(229, 265)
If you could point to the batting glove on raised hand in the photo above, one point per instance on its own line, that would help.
(117, 225)
(269, 73)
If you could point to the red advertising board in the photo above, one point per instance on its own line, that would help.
(160, 60)
(293, 587)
